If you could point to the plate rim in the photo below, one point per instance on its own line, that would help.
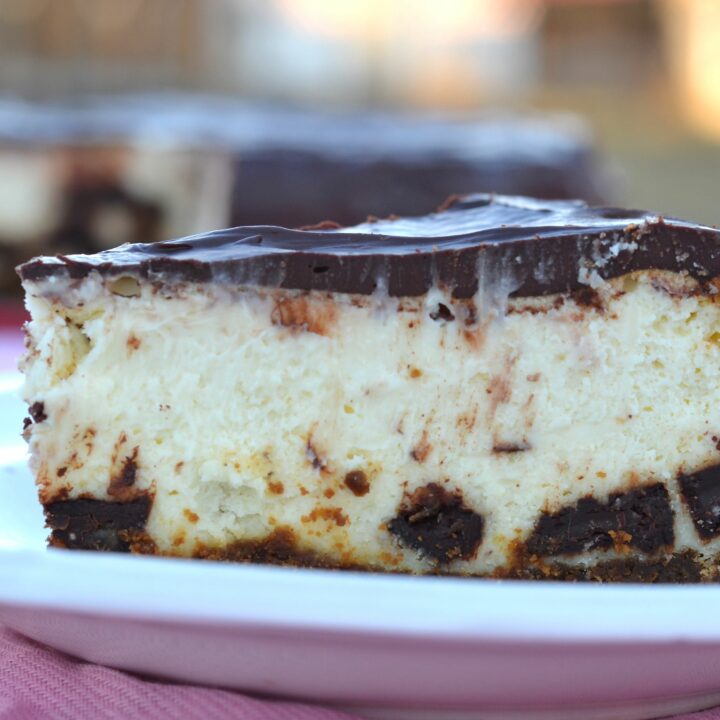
(277, 598)
(287, 598)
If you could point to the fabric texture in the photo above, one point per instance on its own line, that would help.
(37, 683)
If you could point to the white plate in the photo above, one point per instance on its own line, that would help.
(383, 646)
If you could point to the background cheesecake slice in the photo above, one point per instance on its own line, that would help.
(103, 171)
(507, 388)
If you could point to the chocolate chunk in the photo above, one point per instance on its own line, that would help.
(701, 492)
(125, 479)
(96, 524)
(314, 456)
(438, 524)
(511, 447)
(422, 450)
(588, 297)
(684, 567)
(442, 312)
(642, 518)
(486, 237)
(37, 412)
(356, 481)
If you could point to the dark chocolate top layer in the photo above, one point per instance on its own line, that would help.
(527, 247)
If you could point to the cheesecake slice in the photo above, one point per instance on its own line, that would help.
(507, 388)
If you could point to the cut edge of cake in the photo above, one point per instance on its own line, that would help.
(400, 424)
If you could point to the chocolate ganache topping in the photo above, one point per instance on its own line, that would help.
(534, 247)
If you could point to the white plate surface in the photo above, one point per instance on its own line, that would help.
(383, 646)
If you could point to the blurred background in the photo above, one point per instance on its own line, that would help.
(175, 116)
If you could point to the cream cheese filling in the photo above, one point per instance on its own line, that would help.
(246, 409)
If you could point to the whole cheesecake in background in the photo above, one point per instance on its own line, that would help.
(104, 171)
(508, 387)
(307, 167)
(95, 174)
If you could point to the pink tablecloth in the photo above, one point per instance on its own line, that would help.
(37, 683)
(40, 684)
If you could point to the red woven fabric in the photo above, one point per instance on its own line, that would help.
(12, 314)
(37, 683)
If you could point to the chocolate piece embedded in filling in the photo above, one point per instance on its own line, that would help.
(356, 481)
(121, 484)
(438, 524)
(37, 412)
(641, 519)
(701, 492)
(96, 524)
(685, 567)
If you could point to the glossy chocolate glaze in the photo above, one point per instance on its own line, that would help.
(526, 247)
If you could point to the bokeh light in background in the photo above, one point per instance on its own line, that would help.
(431, 22)
(432, 53)
(693, 30)
(646, 73)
